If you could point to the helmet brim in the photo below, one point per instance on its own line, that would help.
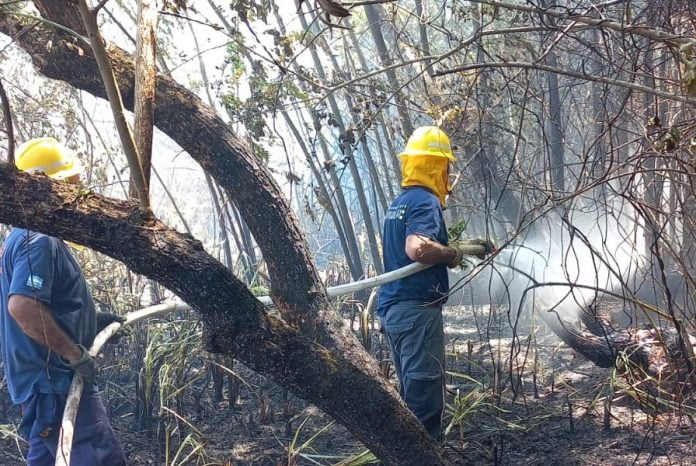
(76, 169)
(422, 153)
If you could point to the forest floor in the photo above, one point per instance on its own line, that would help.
(549, 406)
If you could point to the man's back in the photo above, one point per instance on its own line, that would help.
(41, 267)
(416, 211)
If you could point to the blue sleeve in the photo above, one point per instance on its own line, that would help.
(32, 269)
(424, 219)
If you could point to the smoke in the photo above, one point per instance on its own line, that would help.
(565, 260)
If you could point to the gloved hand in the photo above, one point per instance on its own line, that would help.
(106, 318)
(463, 248)
(85, 366)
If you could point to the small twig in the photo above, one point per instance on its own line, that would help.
(7, 113)
(650, 33)
(570, 413)
(99, 6)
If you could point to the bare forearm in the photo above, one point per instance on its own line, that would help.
(37, 322)
(427, 251)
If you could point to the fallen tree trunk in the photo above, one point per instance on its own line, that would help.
(235, 322)
(655, 352)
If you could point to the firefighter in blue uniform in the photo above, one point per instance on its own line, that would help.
(410, 309)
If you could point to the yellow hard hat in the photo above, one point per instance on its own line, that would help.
(429, 140)
(425, 161)
(48, 156)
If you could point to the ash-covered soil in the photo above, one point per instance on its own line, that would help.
(544, 405)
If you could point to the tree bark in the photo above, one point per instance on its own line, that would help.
(145, 73)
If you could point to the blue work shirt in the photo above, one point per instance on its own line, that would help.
(416, 211)
(41, 267)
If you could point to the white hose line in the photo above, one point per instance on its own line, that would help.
(360, 285)
(67, 428)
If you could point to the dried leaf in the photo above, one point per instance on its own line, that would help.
(690, 77)
(333, 8)
(75, 49)
(689, 61)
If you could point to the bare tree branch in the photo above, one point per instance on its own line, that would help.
(100, 5)
(650, 33)
(7, 113)
(575, 74)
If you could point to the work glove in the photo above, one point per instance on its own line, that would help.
(462, 248)
(106, 318)
(85, 366)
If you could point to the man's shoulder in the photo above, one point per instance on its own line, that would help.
(19, 237)
(420, 196)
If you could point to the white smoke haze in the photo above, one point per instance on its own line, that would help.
(564, 261)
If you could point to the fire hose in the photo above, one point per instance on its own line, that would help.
(67, 428)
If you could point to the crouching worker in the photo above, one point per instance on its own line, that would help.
(47, 322)
(410, 309)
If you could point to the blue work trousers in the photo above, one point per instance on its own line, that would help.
(94, 442)
(417, 342)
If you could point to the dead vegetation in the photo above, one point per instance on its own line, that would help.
(523, 398)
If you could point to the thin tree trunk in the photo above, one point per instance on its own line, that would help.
(113, 92)
(9, 128)
(388, 138)
(352, 165)
(599, 113)
(392, 177)
(374, 17)
(423, 33)
(324, 193)
(554, 131)
(145, 81)
(359, 127)
(330, 168)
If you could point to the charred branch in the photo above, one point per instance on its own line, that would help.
(7, 116)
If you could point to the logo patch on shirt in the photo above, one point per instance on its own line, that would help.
(396, 212)
(35, 282)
